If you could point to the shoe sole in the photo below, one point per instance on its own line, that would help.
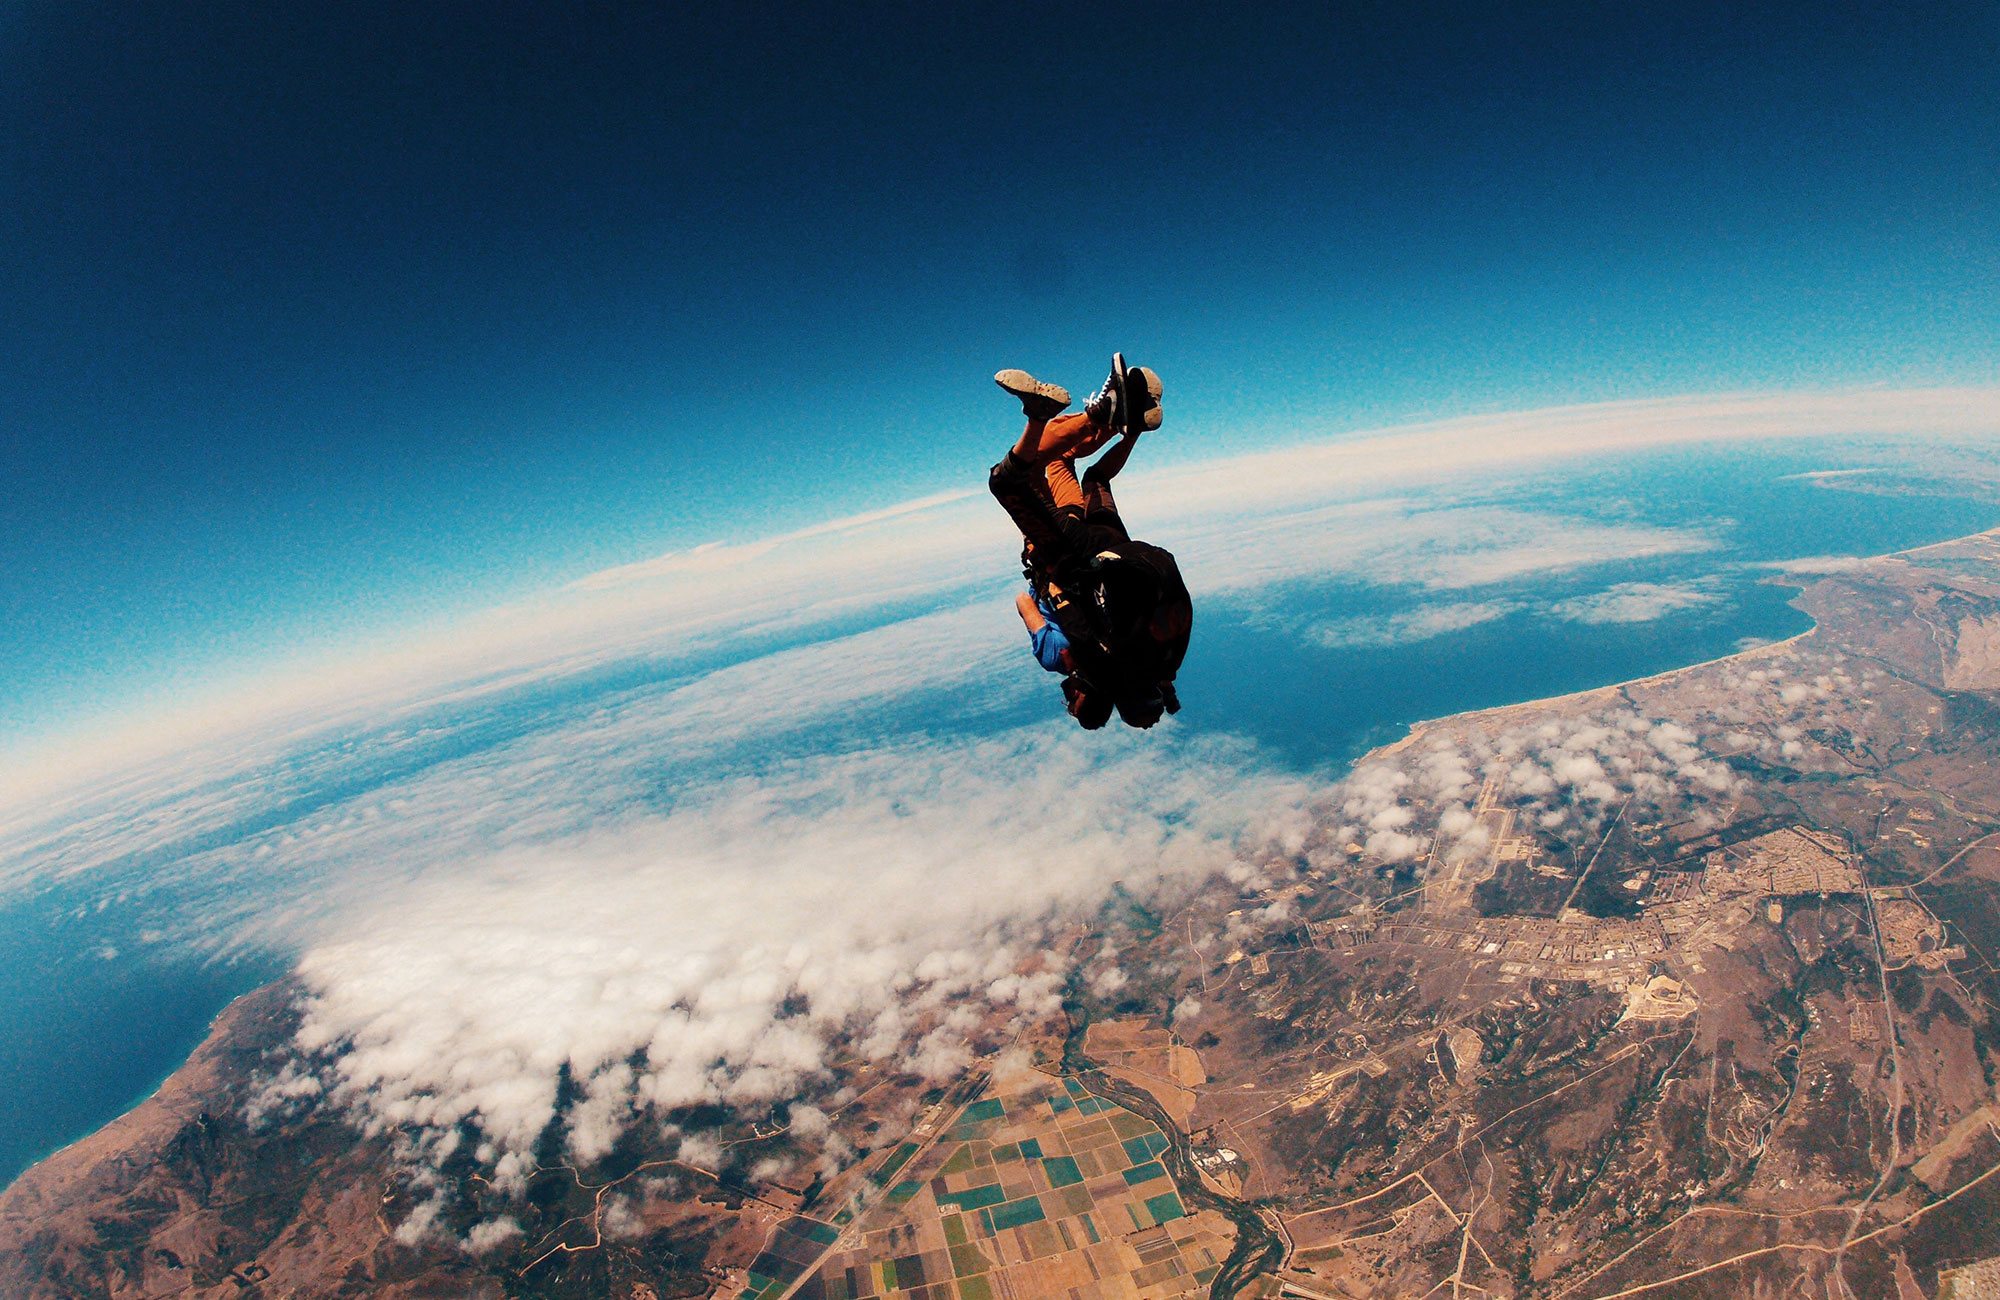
(1024, 385)
(1150, 417)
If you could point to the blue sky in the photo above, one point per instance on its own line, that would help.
(317, 322)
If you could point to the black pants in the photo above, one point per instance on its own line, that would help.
(1055, 536)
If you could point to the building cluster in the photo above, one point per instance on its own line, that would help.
(1607, 952)
(1796, 860)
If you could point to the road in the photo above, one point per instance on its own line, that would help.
(962, 1094)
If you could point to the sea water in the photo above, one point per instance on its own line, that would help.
(93, 1014)
(1321, 706)
(92, 1020)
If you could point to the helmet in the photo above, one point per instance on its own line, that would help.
(1091, 708)
(1141, 708)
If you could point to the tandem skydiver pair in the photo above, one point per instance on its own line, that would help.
(1108, 612)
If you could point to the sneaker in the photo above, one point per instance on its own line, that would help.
(1142, 400)
(1107, 409)
(1039, 401)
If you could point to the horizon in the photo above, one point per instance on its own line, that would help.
(496, 552)
(323, 327)
(592, 620)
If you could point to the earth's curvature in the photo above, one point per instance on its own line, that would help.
(735, 881)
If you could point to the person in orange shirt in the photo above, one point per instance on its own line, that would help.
(1108, 612)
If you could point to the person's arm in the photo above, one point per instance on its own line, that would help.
(1031, 615)
(1045, 639)
(1112, 461)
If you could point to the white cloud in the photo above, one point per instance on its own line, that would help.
(1637, 602)
(886, 894)
(971, 646)
(1420, 624)
(491, 1235)
(1821, 475)
(620, 1219)
(1818, 564)
(1394, 846)
(1107, 980)
(1566, 775)
(650, 872)
(1392, 541)
(1241, 523)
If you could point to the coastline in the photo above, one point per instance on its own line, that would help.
(183, 1096)
(1498, 711)
(224, 1019)
(1800, 580)
(183, 1159)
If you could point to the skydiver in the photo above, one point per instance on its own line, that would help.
(1109, 613)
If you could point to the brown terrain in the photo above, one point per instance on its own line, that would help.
(1681, 988)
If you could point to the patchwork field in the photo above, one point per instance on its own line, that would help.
(1040, 1190)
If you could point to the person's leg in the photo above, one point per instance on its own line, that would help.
(1039, 401)
(1022, 493)
(1020, 482)
(1064, 438)
(1100, 510)
(1063, 487)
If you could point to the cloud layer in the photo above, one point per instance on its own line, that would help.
(880, 904)
(1637, 602)
(928, 550)
(1419, 624)
(691, 826)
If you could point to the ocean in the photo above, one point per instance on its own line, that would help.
(95, 1011)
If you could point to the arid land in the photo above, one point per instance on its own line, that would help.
(1685, 987)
